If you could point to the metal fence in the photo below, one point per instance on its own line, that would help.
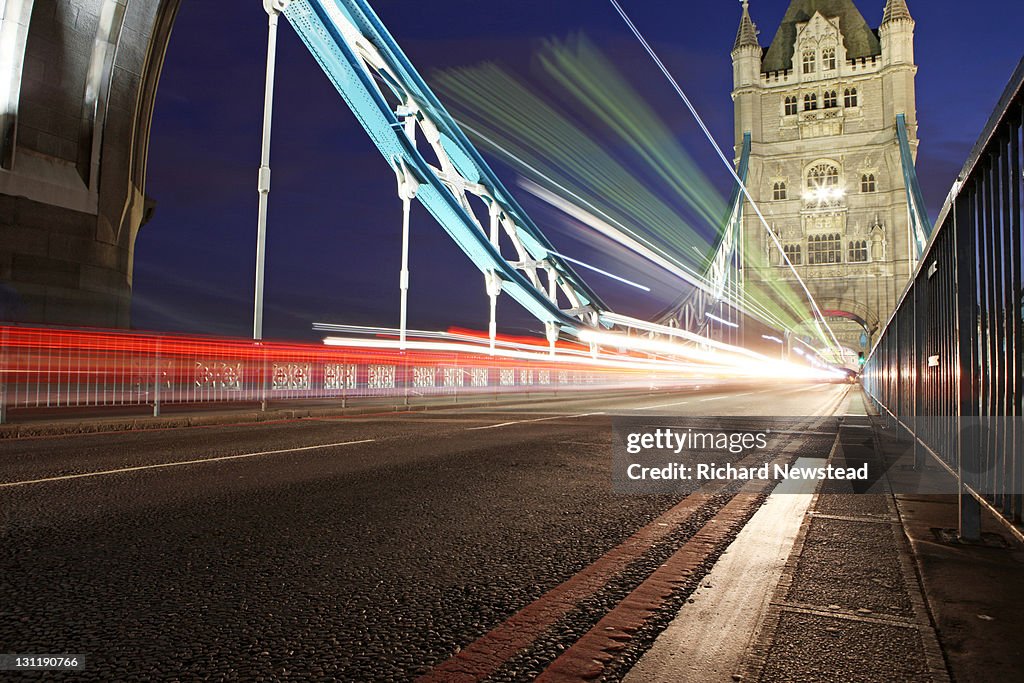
(54, 368)
(953, 347)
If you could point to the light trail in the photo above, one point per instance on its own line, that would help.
(722, 361)
(638, 245)
(492, 94)
(721, 320)
(598, 270)
(721, 155)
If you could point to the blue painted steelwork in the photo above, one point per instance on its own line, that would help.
(349, 41)
(920, 224)
(723, 283)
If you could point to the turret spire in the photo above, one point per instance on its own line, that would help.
(896, 10)
(747, 35)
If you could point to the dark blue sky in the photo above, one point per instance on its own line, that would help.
(334, 228)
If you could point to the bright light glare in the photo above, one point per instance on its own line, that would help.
(824, 194)
(772, 338)
(722, 320)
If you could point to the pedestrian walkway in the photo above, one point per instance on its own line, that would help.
(875, 588)
(849, 604)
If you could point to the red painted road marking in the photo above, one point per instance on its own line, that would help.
(484, 656)
(586, 660)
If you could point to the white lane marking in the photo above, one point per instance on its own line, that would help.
(122, 470)
(664, 405)
(700, 400)
(539, 419)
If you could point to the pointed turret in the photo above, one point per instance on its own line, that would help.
(895, 10)
(746, 53)
(747, 34)
(897, 33)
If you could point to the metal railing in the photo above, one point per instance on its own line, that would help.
(953, 347)
(57, 368)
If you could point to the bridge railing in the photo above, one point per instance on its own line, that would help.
(953, 347)
(58, 368)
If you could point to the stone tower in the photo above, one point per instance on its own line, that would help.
(820, 104)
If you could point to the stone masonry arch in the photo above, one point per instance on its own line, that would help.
(78, 81)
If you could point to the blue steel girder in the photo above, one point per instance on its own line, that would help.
(920, 224)
(356, 52)
(722, 277)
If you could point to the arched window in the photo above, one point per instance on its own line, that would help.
(779, 191)
(791, 106)
(822, 249)
(810, 102)
(793, 254)
(822, 176)
(867, 182)
(850, 97)
(828, 58)
(830, 99)
(822, 186)
(857, 251)
(809, 61)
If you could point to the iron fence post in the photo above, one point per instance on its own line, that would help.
(3, 377)
(264, 377)
(966, 330)
(156, 382)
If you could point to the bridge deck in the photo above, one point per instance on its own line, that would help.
(474, 543)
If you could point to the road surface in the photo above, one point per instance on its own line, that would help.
(361, 548)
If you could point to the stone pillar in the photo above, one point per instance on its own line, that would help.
(72, 198)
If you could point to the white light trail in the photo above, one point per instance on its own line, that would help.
(598, 270)
(721, 155)
(721, 320)
(684, 362)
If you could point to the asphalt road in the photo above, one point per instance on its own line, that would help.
(362, 548)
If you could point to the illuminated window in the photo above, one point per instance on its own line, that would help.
(793, 253)
(828, 58)
(822, 249)
(857, 251)
(822, 176)
(810, 102)
(779, 191)
(791, 106)
(867, 182)
(850, 97)
(831, 99)
(808, 61)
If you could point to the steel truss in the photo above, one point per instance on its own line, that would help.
(436, 164)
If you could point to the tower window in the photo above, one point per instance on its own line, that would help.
(822, 176)
(810, 102)
(779, 191)
(857, 251)
(791, 106)
(850, 97)
(793, 253)
(809, 60)
(823, 249)
(830, 99)
(828, 58)
(867, 182)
